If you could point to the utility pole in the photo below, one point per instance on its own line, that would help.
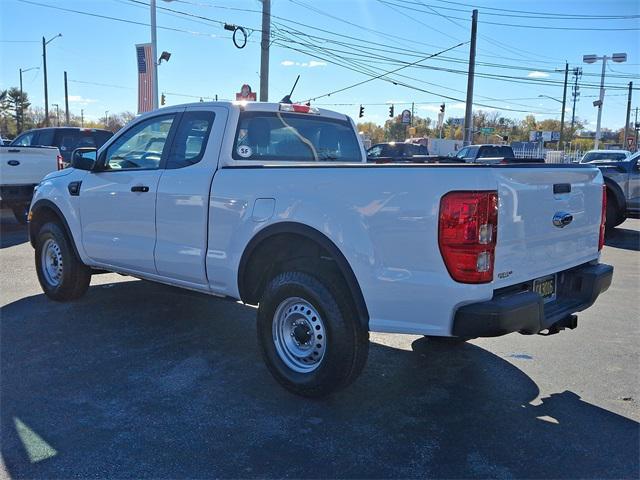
(626, 123)
(106, 118)
(564, 103)
(82, 117)
(154, 55)
(468, 115)
(636, 127)
(264, 50)
(575, 92)
(66, 100)
(44, 64)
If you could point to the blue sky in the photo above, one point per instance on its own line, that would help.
(372, 33)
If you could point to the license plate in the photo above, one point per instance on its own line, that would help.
(545, 287)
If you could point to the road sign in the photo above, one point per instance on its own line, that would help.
(555, 136)
(406, 117)
(487, 130)
(246, 93)
(457, 122)
(535, 136)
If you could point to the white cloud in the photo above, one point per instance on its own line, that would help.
(311, 64)
(457, 106)
(430, 108)
(537, 74)
(81, 100)
(392, 102)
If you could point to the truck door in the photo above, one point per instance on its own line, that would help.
(183, 195)
(634, 184)
(118, 205)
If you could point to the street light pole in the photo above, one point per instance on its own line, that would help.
(44, 64)
(57, 113)
(264, 50)
(21, 116)
(616, 57)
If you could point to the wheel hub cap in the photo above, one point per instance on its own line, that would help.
(52, 264)
(299, 335)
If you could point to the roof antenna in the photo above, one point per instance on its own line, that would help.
(287, 98)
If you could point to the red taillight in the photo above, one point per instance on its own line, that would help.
(603, 217)
(60, 162)
(467, 231)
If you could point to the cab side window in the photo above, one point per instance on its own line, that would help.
(24, 140)
(142, 146)
(190, 141)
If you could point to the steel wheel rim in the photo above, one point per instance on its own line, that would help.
(51, 262)
(299, 335)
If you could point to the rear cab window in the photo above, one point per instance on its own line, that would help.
(294, 137)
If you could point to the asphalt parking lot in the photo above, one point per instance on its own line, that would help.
(141, 380)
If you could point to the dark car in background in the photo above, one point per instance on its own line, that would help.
(489, 153)
(67, 139)
(396, 152)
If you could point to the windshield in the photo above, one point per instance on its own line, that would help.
(294, 137)
(603, 157)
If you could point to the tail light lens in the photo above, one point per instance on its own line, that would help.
(467, 231)
(60, 162)
(603, 217)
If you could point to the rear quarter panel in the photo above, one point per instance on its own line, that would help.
(383, 220)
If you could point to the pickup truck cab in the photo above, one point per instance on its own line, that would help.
(21, 169)
(275, 205)
(492, 154)
(66, 139)
(397, 152)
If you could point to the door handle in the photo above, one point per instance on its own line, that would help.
(14, 150)
(13, 163)
(139, 188)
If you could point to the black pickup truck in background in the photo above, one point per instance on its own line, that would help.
(492, 154)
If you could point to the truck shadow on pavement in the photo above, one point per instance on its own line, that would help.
(140, 380)
(623, 238)
(11, 232)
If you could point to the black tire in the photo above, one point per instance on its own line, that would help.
(74, 278)
(20, 212)
(347, 341)
(614, 216)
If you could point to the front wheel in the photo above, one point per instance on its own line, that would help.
(61, 274)
(310, 336)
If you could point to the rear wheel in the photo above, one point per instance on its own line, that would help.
(310, 336)
(61, 274)
(614, 214)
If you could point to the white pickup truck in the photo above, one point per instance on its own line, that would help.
(275, 205)
(21, 169)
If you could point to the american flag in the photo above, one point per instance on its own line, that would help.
(145, 77)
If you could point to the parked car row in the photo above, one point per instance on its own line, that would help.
(33, 154)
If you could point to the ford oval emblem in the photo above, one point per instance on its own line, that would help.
(562, 219)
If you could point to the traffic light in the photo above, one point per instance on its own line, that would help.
(442, 108)
(391, 111)
(162, 99)
(361, 112)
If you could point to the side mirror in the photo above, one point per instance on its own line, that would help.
(84, 158)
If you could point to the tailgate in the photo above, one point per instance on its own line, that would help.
(26, 165)
(529, 245)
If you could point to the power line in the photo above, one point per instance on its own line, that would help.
(554, 14)
(502, 24)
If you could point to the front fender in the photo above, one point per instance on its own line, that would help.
(53, 194)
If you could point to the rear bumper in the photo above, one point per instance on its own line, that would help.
(518, 309)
